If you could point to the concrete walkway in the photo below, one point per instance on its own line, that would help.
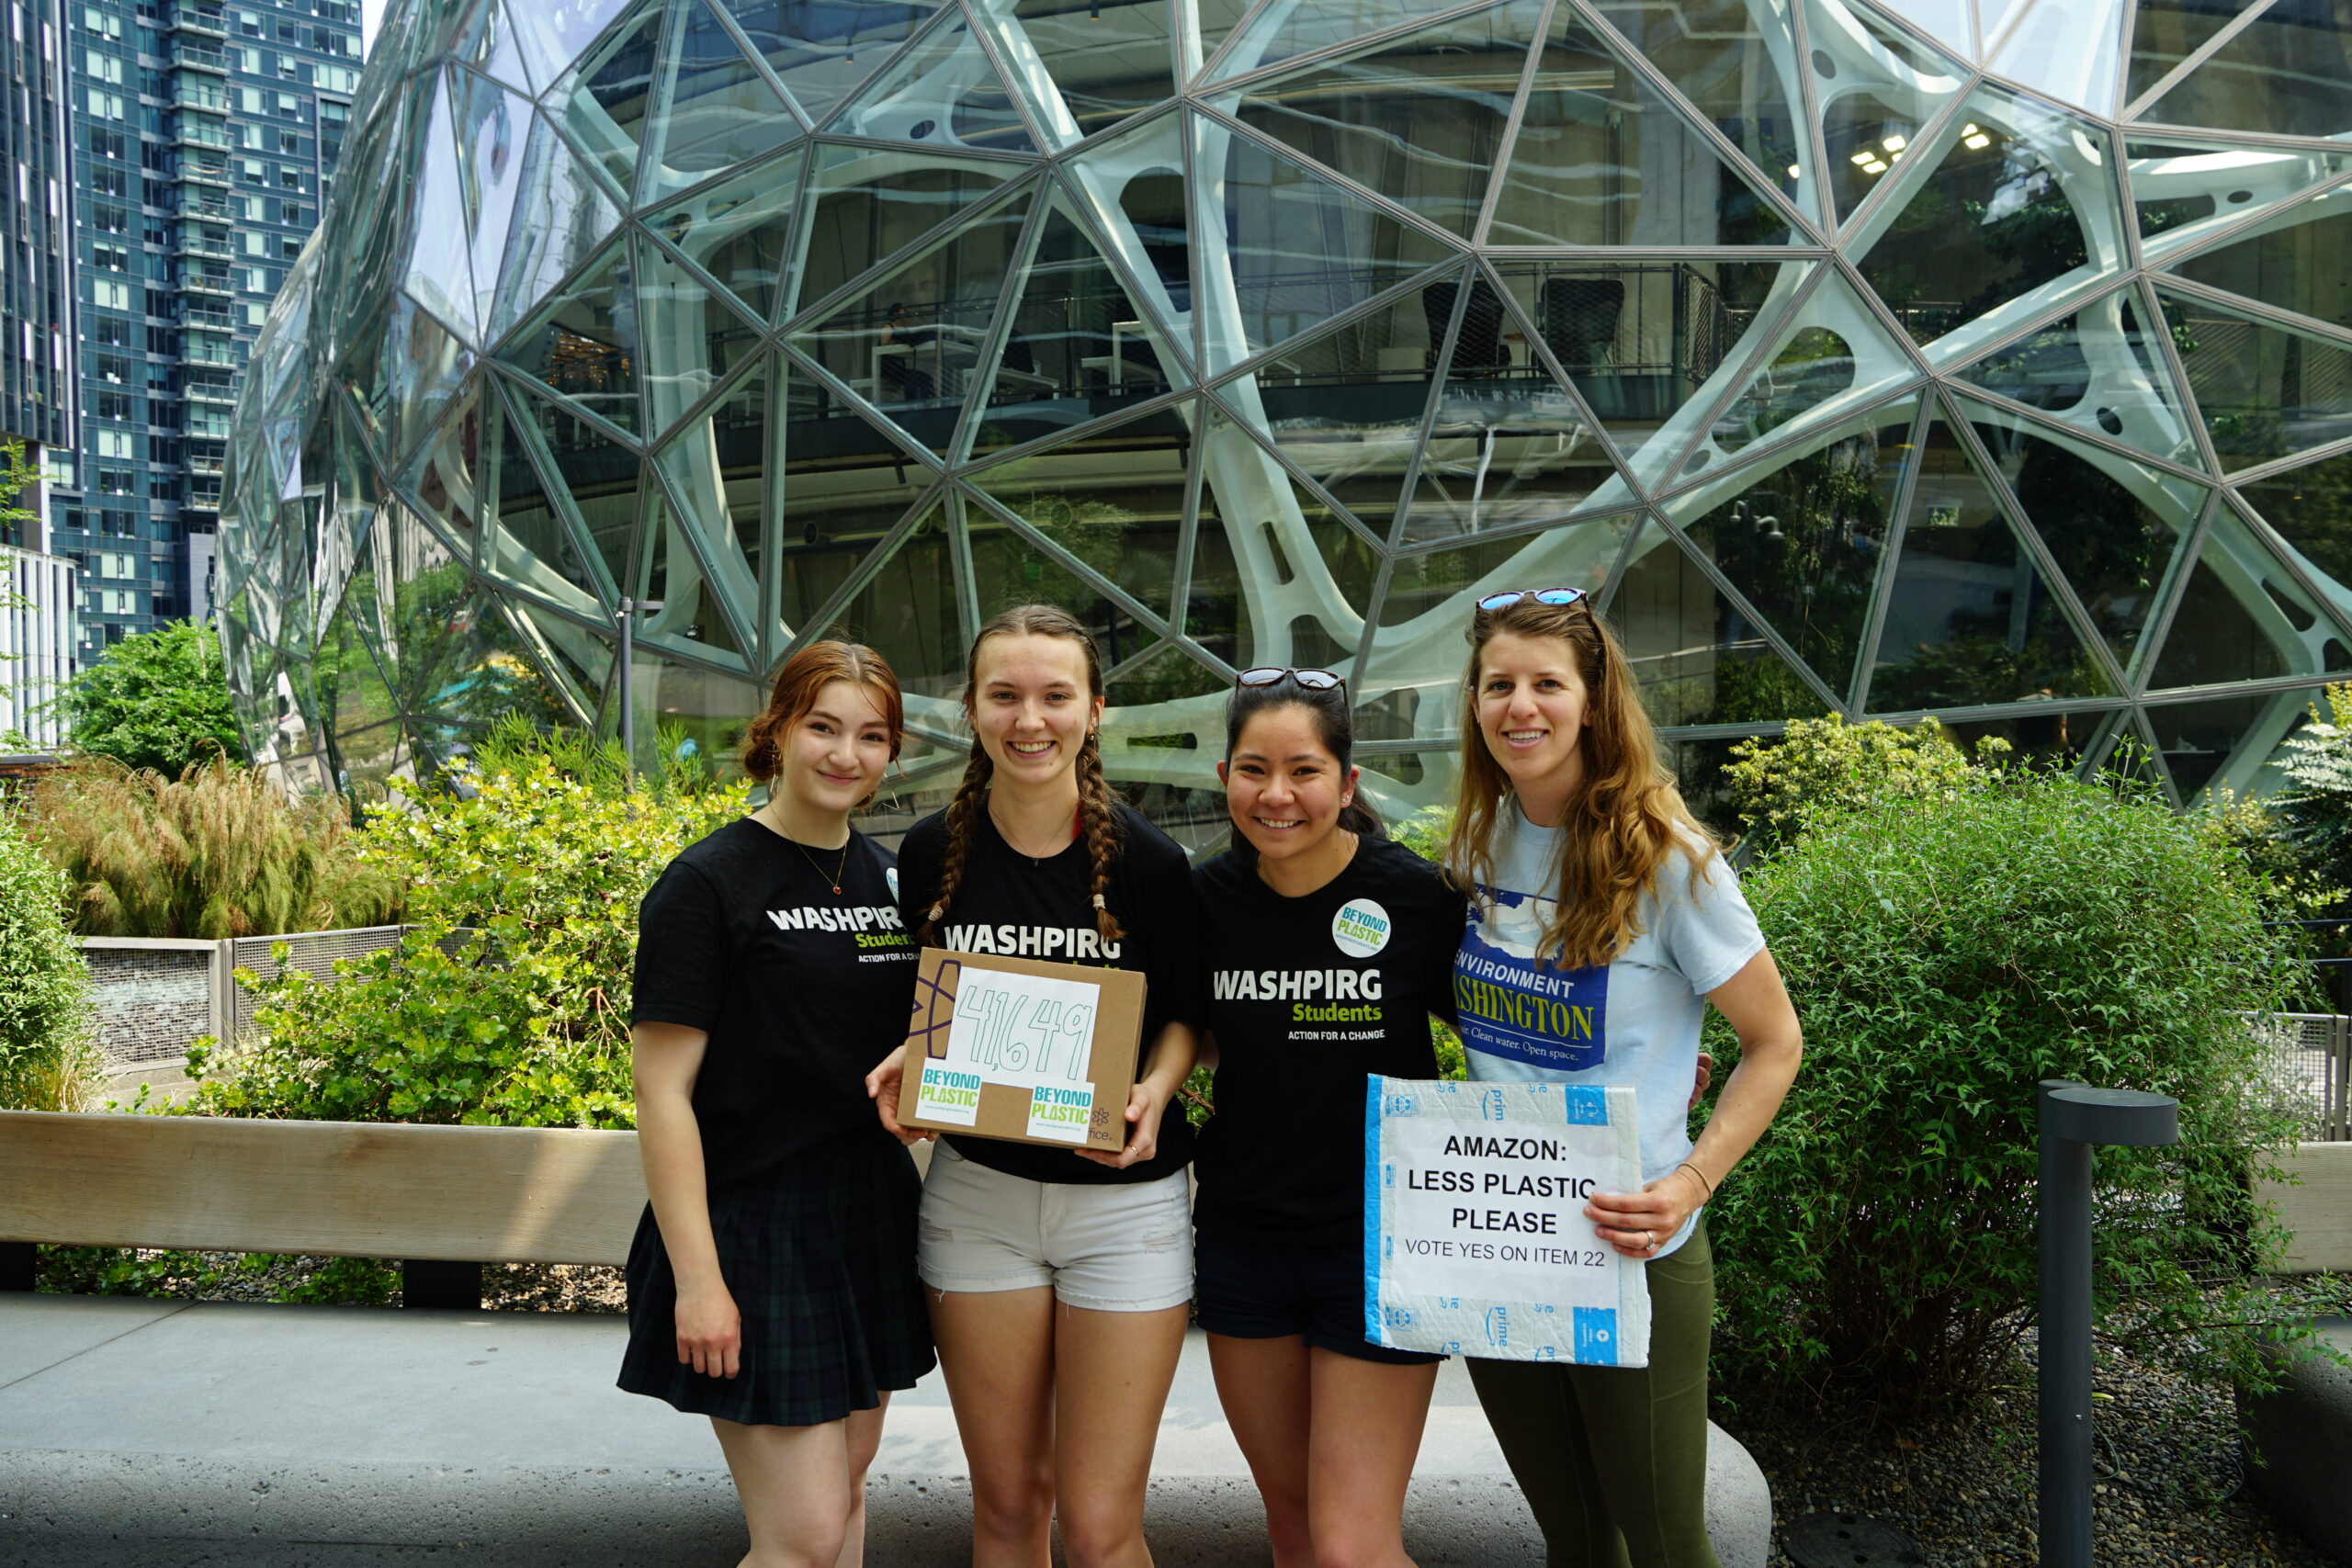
(160, 1434)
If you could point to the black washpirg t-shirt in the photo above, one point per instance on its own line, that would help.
(1308, 996)
(1018, 907)
(801, 990)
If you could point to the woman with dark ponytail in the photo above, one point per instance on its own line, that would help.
(1057, 1279)
(1327, 948)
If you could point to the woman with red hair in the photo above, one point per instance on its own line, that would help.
(771, 1284)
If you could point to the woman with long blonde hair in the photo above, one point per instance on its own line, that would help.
(1593, 886)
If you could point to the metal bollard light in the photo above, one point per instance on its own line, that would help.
(2073, 1119)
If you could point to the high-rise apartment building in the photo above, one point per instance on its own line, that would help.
(37, 387)
(203, 141)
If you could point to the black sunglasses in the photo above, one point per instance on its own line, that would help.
(1561, 596)
(1273, 675)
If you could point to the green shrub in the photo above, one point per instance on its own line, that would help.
(156, 699)
(48, 1061)
(1821, 768)
(509, 1003)
(1947, 950)
(217, 851)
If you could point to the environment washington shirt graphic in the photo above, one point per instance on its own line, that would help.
(1511, 1005)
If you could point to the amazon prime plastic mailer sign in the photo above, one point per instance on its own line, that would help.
(1474, 1236)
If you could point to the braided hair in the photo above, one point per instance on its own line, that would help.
(1098, 822)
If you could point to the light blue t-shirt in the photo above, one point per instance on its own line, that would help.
(1633, 1022)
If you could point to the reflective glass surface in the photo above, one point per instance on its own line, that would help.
(1318, 321)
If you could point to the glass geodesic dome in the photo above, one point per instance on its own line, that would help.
(1876, 358)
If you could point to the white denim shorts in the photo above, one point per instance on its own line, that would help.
(1123, 1247)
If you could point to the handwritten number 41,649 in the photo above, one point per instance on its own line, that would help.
(1013, 1031)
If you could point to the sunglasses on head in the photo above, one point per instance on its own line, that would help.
(1273, 675)
(1561, 596)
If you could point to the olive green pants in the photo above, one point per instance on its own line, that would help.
(1613, 1460)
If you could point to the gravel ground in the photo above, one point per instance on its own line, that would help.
(2168, 1493)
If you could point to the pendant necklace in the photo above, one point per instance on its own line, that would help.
(836, 878)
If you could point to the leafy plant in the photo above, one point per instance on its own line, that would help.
(509, 1003)
(48, 1061)
(156, 699)
(1948, 946)
(2316, 805)
(1825, 767)
(217, 851)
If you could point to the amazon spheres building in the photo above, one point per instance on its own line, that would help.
(1980, 358)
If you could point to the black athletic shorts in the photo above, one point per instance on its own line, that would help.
(1256, 1289)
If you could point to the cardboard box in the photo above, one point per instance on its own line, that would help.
(1025, 1051)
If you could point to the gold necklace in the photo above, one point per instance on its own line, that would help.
(813, 863)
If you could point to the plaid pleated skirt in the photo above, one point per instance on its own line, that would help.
(820, 1261)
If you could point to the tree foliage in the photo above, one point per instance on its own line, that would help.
(157, 700)
(509, 1003)
(2316, 805)
(1947, 948)
(217, 851)
(1822, 767)
(47, 1059)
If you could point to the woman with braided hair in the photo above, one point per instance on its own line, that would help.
(1057, 1279)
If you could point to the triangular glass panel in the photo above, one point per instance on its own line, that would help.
(715, 108)
(739, 232)
(1087, 68)
(1992, 16)
(1216, 20)
(1602, 159)
(2307, 507)
(602, 102)
(489, 44)
(2284, 73)
(1946, 21)
(1112, 497)
(1286, 32)
(2101, 371)
(2265, 390)
(2227, 742)
(2112, 524)
(845, 486)
(2015, 210)
(2186, 193)
(1883, 89)
(906, 607)
(1970, 618)
(2245, 617)
(1649, 345)
(1805, 541)
(2167, 32)
(1828, 355)
(494, 129)
(584, 343)
(1508, 446)
(1133, 186)
(578, 660)
(1078, 348)
(1284, 249)
(597, 477)
(2293, 261)
(570, 216)
(2067, 50)
(871, 203)
(717, 471)
(1010, 567)
(691, 333)
(693, 617)
(525, 542)
(1694, 651)
(446, 477)
(821, 49)
(1721, 58)
(1347, 406)
(1419, 118)
(1432, 586)
(550, 36)
(434, 364)
(909, 343)
(942, 91)
(1278, 575)
(438, 273)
